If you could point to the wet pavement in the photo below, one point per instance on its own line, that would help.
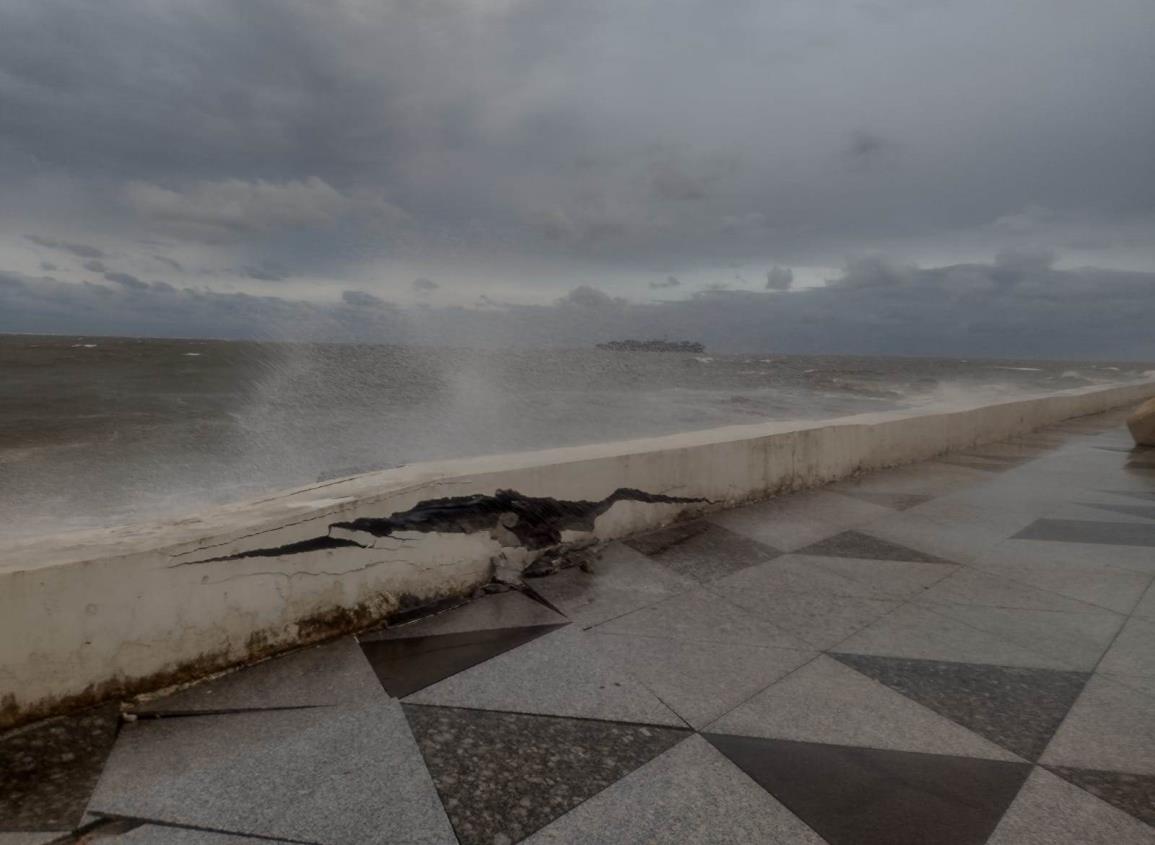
(959, 651)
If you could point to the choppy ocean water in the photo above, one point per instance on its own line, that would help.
(104, 431)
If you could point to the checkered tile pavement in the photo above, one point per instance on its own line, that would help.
(961, 651)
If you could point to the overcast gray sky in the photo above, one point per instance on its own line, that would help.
(910, 176)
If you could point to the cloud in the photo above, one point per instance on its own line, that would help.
(425, 286)
(362, 299)
(874, 271)
(779, 278)
(95, 266)
(82, 250)
(668, 282)
(590, 299)
(865, 146)
(266, 271)
(583, 143)
(235, 207)
(48, 266)
(170, 263)
(127, 280)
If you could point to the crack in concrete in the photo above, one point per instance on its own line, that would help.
(534, 523)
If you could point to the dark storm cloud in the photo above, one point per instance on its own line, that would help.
(425, 286)
(127, 280)
(82, 250)
(865, 145)
(95, 266)
(668, 282)
(265, 271)
(779, 278)
(170, 263)
(362, 299)
(603, 136)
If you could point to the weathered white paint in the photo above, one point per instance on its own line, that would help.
(98, 614)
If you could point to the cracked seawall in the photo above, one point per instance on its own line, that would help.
(102, 614)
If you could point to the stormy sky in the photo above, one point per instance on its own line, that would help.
(900, 176)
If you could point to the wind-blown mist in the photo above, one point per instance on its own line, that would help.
(97, 431)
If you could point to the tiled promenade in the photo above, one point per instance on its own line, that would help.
(961, 651)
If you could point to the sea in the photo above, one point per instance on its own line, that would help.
(100, 431)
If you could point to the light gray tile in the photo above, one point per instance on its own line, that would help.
(923, 632)
(944, 538)
(1111, 726)
(560, 674)
(333, 673)
(830, 703)
(699, 681)
(977, 588)
(925, 479)
(701, 616)
(28, 838)
(877, 579)
(1110, 589)
(1133, 651)
(327, 775)
(691, 794)
(1050, 811)
(1145, 608)
(510, 609)
(620, 581)
(793, 521)
(1078, 639)
(152, 834)
(820, 620)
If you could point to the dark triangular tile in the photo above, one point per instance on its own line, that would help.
(867, 796)
(894, 501)
(702, 550)
(1134, 494)
(48, 770)
(1144, 511)
(405, 666)
(1089, 531)
(1018, 708)
(856, 544)
(1132, 793)
(502, 776)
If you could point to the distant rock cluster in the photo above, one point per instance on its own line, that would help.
(652, 346)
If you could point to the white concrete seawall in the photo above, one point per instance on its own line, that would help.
(102, 614)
